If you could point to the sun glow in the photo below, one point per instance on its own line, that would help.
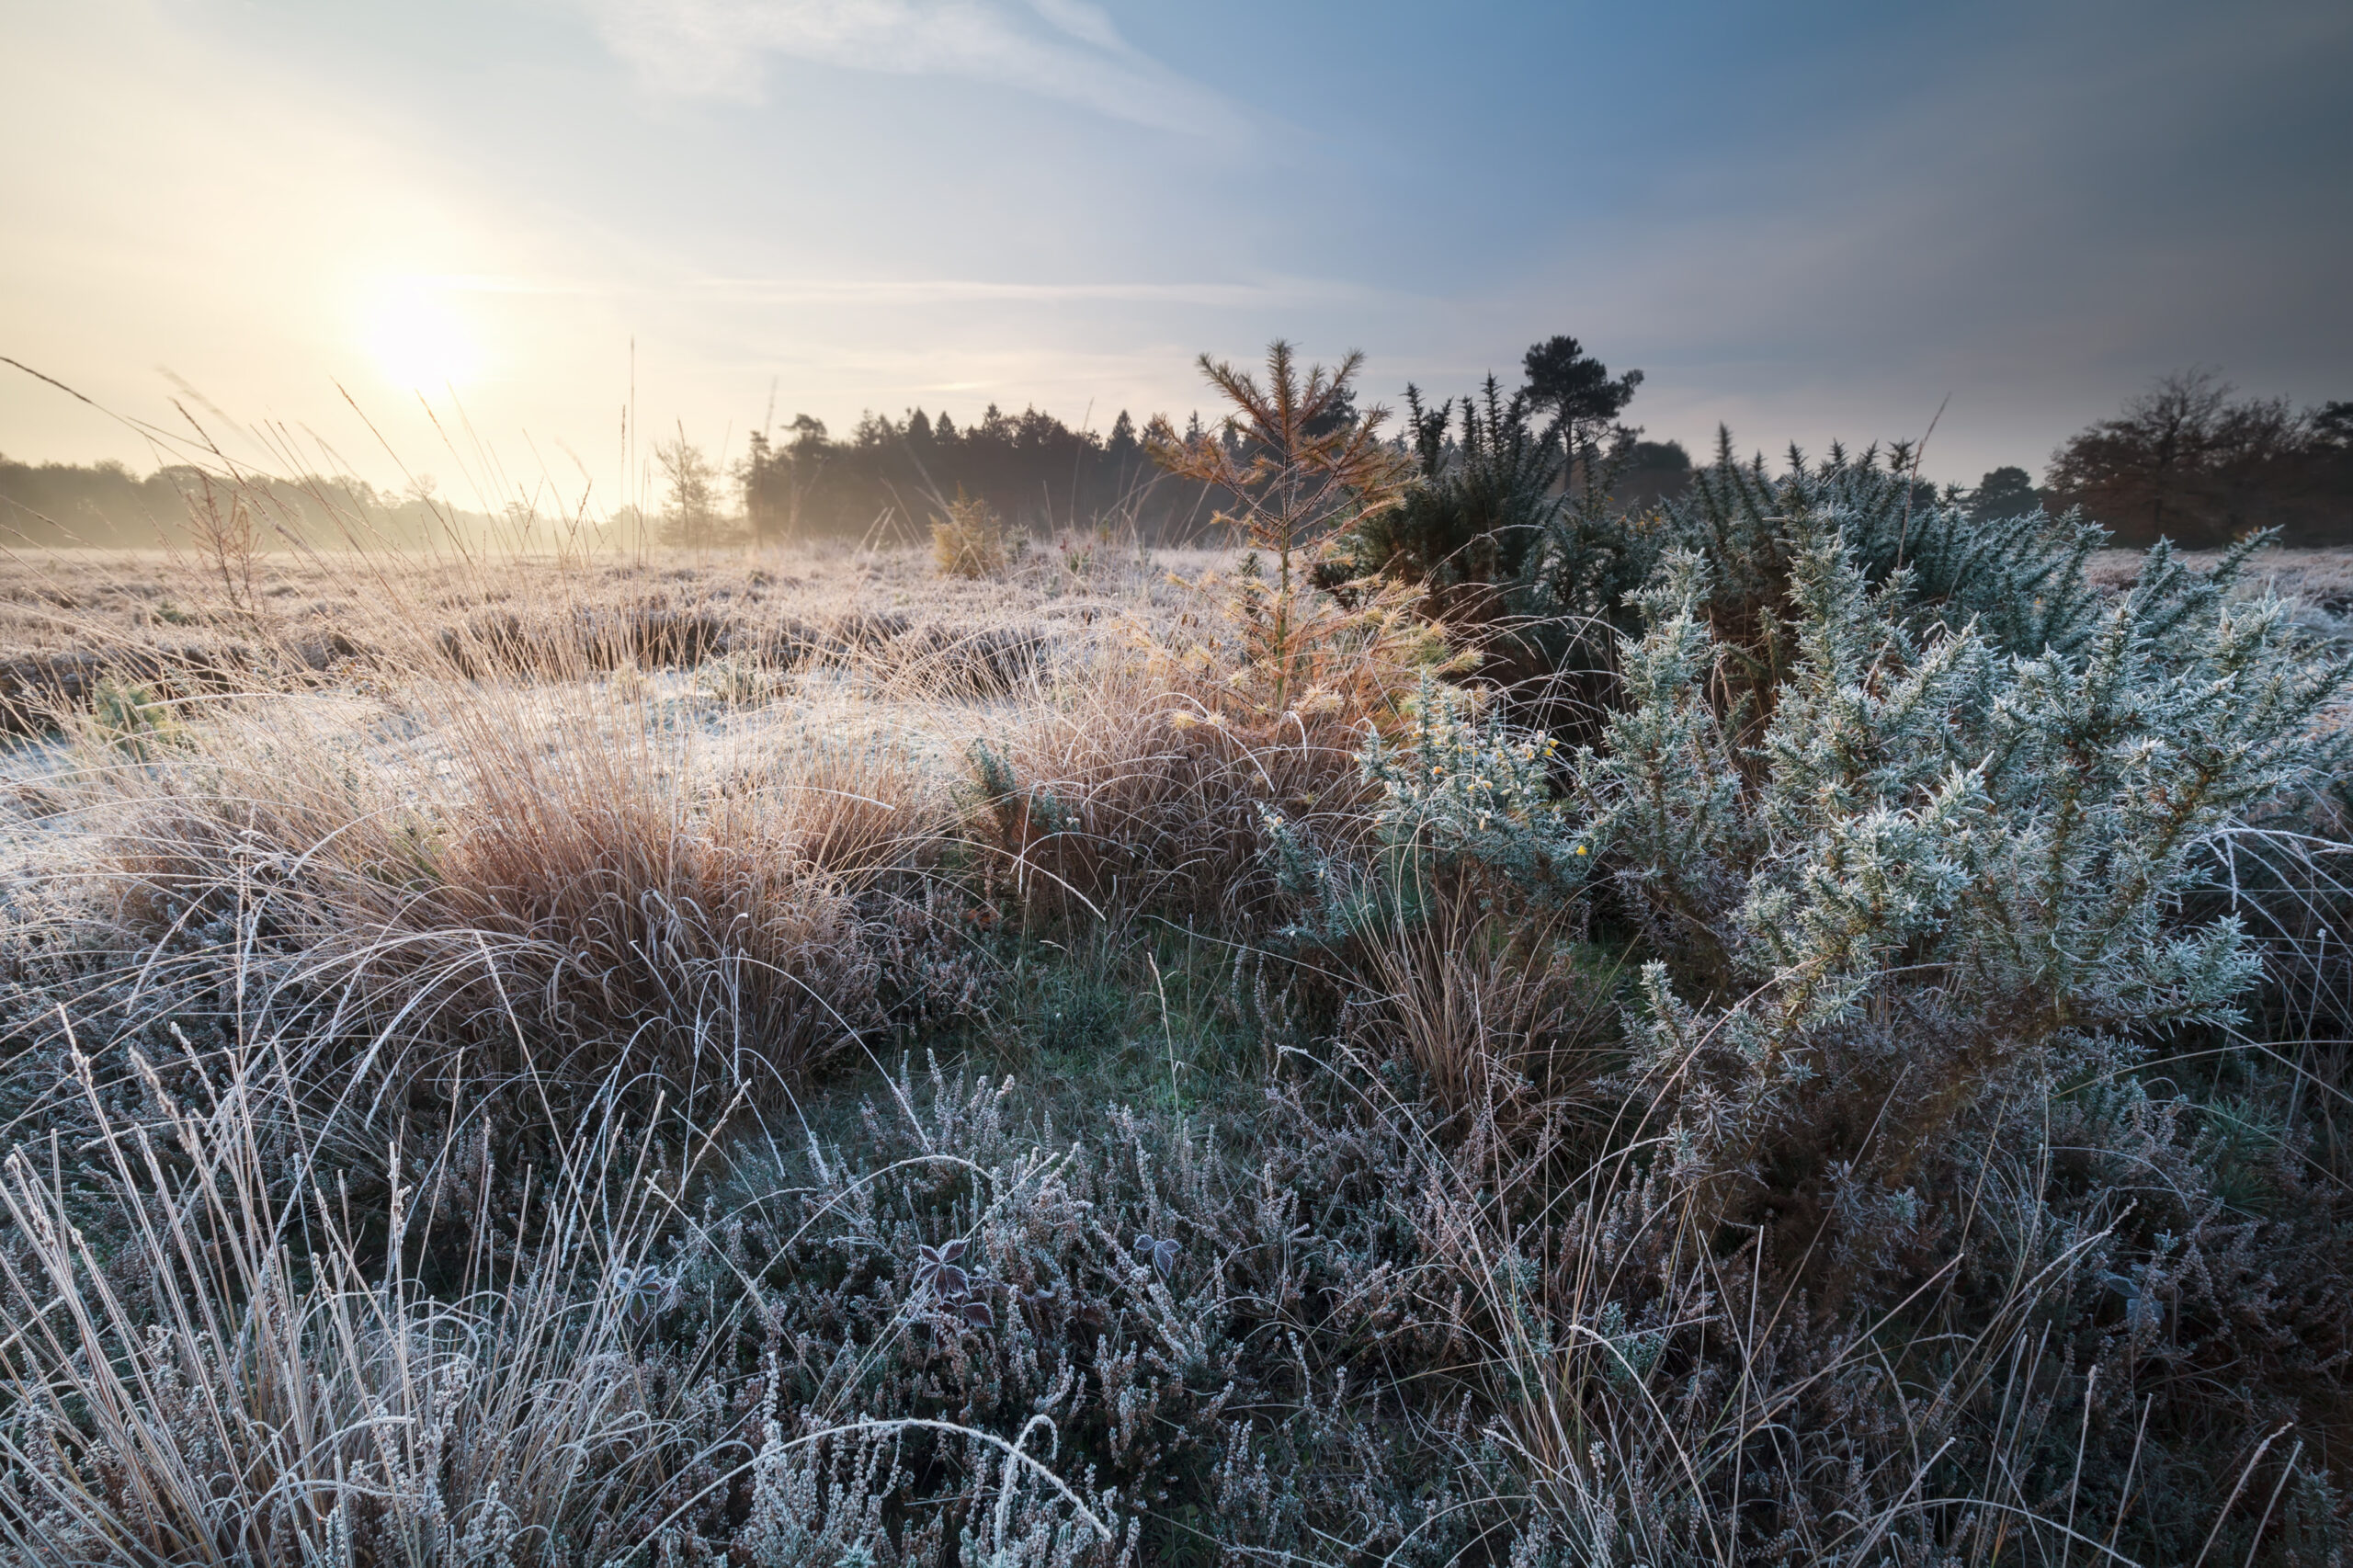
(418, 341)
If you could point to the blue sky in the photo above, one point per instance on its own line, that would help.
(1805, 221)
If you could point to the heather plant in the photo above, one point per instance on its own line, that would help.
(219, 1363)
(1215, 1348)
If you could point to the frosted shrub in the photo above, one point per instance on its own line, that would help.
(2022, 579)
(971, 540)
(1462, 786)
(1231, 1390)
(1943, 872)
(1914, 905)
(1457, 793)
(1913, 885)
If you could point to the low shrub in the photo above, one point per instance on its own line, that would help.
(230, 1367)
(1124, 794)
(1531, 575)
(971, 540)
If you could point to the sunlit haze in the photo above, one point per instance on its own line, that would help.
(1806, 222)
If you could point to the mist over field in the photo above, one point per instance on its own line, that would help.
(969, 784)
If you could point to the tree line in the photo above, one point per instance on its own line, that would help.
(890, 477)
(106, 506)
(2189, 460)
(893, 477)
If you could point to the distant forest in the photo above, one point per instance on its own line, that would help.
(1037, 473)
(1040, 476)
(890, 476)
(107, 505)
(2187, 459)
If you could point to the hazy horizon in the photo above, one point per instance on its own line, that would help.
(1804, 228)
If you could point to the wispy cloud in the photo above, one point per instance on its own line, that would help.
(1069, 49)
(954, 291)
(1266, 292)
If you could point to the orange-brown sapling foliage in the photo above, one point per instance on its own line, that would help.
(1303, 468)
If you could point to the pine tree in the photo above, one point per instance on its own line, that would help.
(1298, 478)
(1582, 395)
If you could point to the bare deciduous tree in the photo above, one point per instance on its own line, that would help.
(690, 516)
(2184, 460)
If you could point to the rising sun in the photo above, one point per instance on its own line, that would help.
(418, 341)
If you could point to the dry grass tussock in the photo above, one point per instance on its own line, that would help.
(552, 856)
(1134, 789)
(1504, 1018)
(718, 876)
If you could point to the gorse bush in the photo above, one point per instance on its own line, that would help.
(1913, 871)
(1479, 504)
(1944, 873)
(1462, 787)
(1456, 792)
(1530, 572)
(1543, 577)
(2022, 579)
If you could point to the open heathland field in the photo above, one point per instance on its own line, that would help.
(1795, 1027)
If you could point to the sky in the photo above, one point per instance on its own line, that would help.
(461, 236)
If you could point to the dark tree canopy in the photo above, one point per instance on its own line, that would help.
(2005, 492)
(1566, 382)
(2333, 427)
(2190, 461)
(1650, 473)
